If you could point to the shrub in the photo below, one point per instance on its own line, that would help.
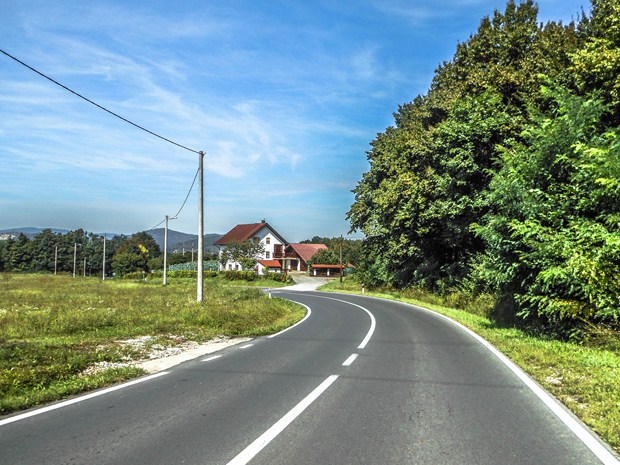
(279, 277)
(182, 274)
(240, 275)
(134, 275)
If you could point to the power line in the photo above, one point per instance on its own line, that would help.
(97, 105)
(156, 225)
(188, 192)
(184, 201)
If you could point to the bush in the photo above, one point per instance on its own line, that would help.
(240, 275)
(183, 274)
(279, 277)
(134, 275)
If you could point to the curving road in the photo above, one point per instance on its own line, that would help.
(359, 381)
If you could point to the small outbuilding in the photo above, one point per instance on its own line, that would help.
(326, 270)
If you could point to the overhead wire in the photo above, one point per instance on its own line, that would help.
(97, 105)
(119, 117)
(183, 205)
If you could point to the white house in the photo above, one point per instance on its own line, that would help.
(272, 242)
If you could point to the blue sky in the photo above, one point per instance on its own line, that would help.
(284, 98)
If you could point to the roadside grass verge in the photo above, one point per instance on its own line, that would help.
(585, 377)
(223, 278)
(54, 329)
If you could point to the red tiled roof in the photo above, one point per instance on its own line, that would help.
(241, 232)
(306, 251)
(270, 263)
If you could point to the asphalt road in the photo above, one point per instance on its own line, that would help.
(359, 381)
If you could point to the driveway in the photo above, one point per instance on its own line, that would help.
(303, 282)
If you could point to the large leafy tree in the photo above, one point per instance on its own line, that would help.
(18, 253)
(596, 65)
(325, 257)
(351, 248)
(553, 237)
(134, 253)
(246, 253)
(429, 172)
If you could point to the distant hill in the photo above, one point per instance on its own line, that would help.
(179, 241)
(30, 231)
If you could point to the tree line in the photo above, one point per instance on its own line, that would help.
(504, 178)
(351, 250)
(84, 252)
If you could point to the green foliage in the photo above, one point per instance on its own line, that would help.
(553, 239)
(240, 275)
(184, 274)
(494, 183)
(210, 265)
(429, 173)
(49, 252)
(351, 248)
(596, 65)
(280, 278)
(135, 253)
(246, 253)
(325, 257)
(126, 263)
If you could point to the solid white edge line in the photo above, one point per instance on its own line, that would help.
(259, 444)
(350, 360)
(79, 399)
(598, 449)
(246, 346)
(208, 359)
(373, 322)
(308, 313)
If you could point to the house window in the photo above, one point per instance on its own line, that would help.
(256, 239)
(268, 241)
(267, 254)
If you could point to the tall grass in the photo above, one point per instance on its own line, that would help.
(52, 328)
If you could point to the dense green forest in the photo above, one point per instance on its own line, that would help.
(83, 253)
(504, 178)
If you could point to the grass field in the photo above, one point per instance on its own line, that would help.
(585, 377)
(54, 329)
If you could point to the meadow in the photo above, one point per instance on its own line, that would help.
(585, 376)
(55, 329)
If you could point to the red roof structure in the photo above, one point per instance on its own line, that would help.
(306, 251)
(270, 263)
(243, 232)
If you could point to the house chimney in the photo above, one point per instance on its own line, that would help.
(263, 220)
